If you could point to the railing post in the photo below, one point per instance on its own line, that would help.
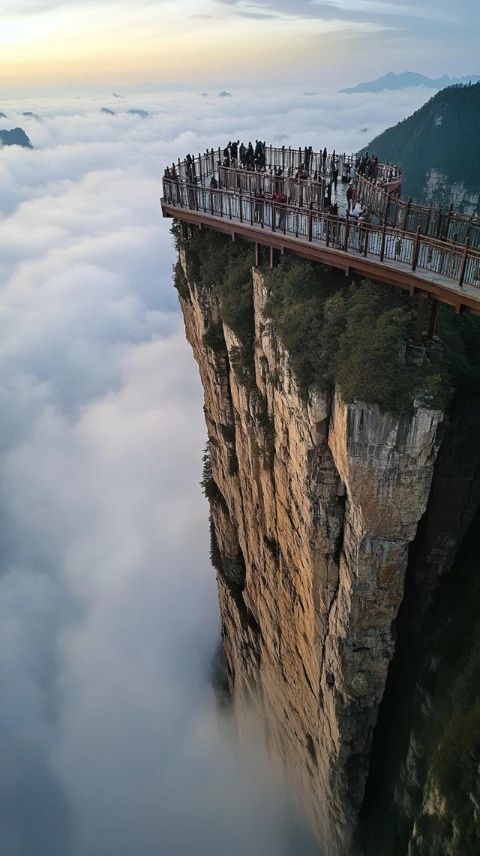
(407, 214)
(211, 201)
(416, 248)
(310, 222)
(240, 198)
(429, 216)
(200, 169)
(469, 228)
(464, 263)
(384, 238)
(229, 207)
(251, 211)
(347, 229)
(327, 233)
(450, 212)
(386, 208)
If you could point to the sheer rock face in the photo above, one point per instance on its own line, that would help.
(314, 508)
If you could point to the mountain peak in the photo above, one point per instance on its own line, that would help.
(405, 79)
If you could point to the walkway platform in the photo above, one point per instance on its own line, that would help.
(417, 263)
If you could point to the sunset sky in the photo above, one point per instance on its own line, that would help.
(47, 42)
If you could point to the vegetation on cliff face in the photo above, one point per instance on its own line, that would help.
(353, 337)
(441, 135)
(429, 749)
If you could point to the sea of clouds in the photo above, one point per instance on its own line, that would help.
(109, 734)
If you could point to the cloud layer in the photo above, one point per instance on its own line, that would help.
(110, 737)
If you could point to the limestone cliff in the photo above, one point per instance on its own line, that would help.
(314, 504)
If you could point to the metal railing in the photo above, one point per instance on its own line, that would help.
(459, 264)
(288, 160)
(411, 216)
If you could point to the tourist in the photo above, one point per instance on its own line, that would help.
(259, 203)
(282, 208)
(350, 198)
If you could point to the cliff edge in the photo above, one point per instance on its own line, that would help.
(315, 503)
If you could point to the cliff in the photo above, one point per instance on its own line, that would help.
(316, 498)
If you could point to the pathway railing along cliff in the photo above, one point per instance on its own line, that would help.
(287, 159)
(441, 261)
(432, 220)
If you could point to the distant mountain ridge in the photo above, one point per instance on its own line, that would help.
(437, 149)
(406, 79)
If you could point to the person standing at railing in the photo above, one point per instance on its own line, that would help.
(328, 196)
(258, 154)
(282, 210)
(363, 229)
(263, 156)
(334, 226)
(308, 158)
(176, 184)
(167, 184)
(350, 198)
(259, 204)
(335, 178)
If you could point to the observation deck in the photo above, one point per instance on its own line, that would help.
(290, 203)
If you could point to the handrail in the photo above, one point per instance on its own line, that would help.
(433, 220)
(284, 158)
(455, 262)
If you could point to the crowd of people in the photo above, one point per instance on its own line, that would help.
(368, 166)
(305, 177)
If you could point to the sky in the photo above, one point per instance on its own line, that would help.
(120, 42)
(110, 739)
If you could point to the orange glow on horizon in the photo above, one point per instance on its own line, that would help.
(68, 47)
